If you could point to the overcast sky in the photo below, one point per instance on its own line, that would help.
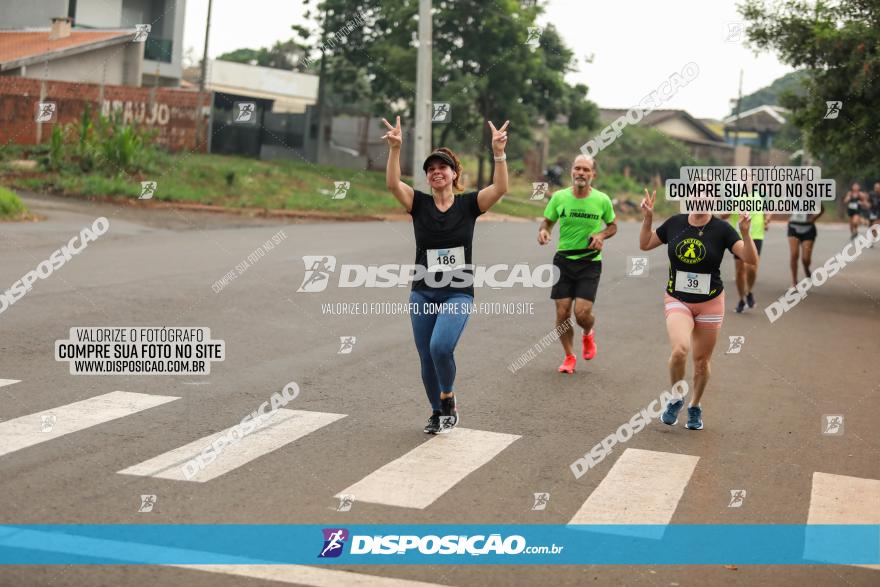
(636, 45)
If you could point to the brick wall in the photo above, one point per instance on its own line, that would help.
(174, 114)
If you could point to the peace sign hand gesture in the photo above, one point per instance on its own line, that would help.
(394, 136)
(499, 138)
(648, 204)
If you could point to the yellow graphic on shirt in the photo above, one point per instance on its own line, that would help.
(690, 251)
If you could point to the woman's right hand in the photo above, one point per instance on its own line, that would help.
(394, 136)
(648, 205)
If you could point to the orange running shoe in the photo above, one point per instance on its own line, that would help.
(568, 364)
(589, 345)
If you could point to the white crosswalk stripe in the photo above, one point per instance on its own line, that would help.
(282, 428)
(421, 476)
(839, 499)
(305, 575)
(643, 487)
(39, 427)
(124, 552)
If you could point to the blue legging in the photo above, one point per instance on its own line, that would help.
(438, 319)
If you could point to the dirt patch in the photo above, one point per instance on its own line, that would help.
(26, 217)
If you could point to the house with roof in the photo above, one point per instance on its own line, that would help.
(162, 50)
(61, 53)
(755, 127)
(700, 139)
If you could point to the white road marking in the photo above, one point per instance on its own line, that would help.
(839, 499)
(139, 553)
(421, 476)
(643, 487)
(305, 575)
(282, 428)
(32, 429)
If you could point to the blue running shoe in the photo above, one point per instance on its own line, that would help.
(670, 414)
(695, 418)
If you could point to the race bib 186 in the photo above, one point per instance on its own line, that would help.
(445, 259)
(688, 282)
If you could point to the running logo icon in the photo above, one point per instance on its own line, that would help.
(734, 32)
(141, 33)
(318, 270)
(539, 190)
(346, 345)
(346, 500)
(46, 111)
(148, 188)
(832, 424)
(334, 541)
(442, 112)
(534, 38)
(833, 108)
(47, 422)
(340, 189)
(244, 112)
(736, 344)
(147, 503)
(637, 266)
(541, 500)
(737, 496)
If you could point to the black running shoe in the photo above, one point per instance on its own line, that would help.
(433, 425)
(740, 306)
(448, 414)
(750, 300)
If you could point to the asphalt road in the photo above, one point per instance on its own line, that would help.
(763, 410)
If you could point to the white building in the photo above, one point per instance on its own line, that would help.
(290, 91)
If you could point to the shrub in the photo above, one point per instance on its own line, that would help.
(102, 144)
(10, 204)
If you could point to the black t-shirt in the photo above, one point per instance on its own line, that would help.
(444, 235)
(696, 257)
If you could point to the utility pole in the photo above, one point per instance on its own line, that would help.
(423, 108)
(203, 75)
(202, 81)
(738, 106)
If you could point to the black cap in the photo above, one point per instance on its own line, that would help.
(438, 155)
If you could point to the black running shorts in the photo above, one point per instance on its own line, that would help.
(577, 279)
(809, 235)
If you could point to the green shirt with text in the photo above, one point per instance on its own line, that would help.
(578, 219)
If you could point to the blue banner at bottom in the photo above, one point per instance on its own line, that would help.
(383, 544)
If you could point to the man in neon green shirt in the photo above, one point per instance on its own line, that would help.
(586, 218)
(746, 273)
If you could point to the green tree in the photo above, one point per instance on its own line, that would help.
(482, 66)
(838, 42)
(646, 152)
(281, 55)
(771, 95)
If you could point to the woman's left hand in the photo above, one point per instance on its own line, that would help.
(499, 137)
(745, 223)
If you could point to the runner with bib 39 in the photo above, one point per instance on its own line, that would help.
(694, 299)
